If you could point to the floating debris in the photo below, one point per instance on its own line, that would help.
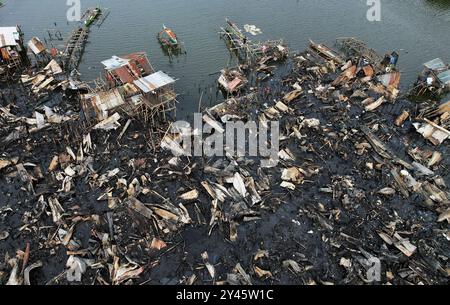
(252, 29)
(232, 80)
(252, 52)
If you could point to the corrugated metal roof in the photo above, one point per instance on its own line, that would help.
(128, 68)
(114, 63)
(154, 81)
(444, 77)
(435, 64)
(36, 46)
(124, 75)
(145, 64)
(9, 36)
(98, 105)
(141, 58)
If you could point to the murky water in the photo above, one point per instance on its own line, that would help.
(418, 28)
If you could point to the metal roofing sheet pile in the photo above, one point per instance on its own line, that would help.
(109, 100)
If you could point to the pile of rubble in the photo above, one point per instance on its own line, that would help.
(355, 184)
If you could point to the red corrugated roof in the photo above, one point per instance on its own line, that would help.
(133, 69)
(124, 75)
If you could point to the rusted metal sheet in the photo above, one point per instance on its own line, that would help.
(390, 79)
(134, 69)
(145, 64)
(140, 59)
(128, 68)
(368, 70)
(234, 84)
(124, 75)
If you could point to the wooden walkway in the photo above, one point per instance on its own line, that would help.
(353, 46)
(75, 48)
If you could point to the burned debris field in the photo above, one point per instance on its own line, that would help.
(91, 191)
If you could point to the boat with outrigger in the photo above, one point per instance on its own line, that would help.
(169, 41)
(93, 15)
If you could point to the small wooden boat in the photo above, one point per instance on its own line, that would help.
(93, 15)
(168, 38)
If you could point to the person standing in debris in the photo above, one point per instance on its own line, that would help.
(394, 59)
